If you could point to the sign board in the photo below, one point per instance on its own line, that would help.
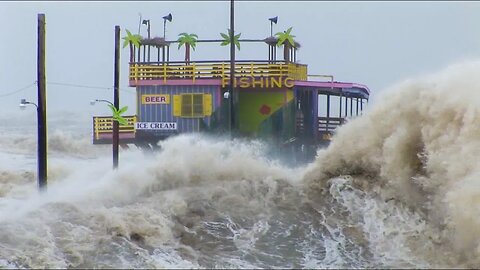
(156, 99)
(262, 82)
(156, 125)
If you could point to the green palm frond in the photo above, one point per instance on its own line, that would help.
(116, 114)
(134, 39)
(122, 110)
(227, 39)
(285, 36)
(225, 36)
(185, 38)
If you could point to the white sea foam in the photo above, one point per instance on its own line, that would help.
(419, 145)
(89, 209)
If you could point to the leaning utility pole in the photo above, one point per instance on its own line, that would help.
(116, 98)
(41, 108)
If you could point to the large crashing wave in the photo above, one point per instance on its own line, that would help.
(419, 145)
(142, 214)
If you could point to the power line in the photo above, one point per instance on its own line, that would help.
(80, 85)
(127, 91)
(88, 86)
(19, 90)
(64, 84)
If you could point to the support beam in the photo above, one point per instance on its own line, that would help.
(357, 105)
(351, 106)
(340, 106)
(144, 54)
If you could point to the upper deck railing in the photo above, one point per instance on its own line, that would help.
(142, 71)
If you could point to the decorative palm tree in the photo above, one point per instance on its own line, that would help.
(286, 39)
(117, 114)
(189, 40)
(228, 38)
(129, 40)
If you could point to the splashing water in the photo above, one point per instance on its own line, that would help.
(419, 147)
(396, 188)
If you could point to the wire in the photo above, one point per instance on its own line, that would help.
(127, 91)
(64, 84)
(80, 85)
(89, 86)
(19, 90)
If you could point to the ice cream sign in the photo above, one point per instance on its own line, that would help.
(156, 125)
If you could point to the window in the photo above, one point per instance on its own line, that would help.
(192, 105)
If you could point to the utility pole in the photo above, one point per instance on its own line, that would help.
(116, 98)
(232, 67)
(41, 108)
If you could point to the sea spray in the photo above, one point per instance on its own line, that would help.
(420, 143)
(95, 216)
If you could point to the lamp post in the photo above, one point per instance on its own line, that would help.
(272, 20)
(147, 23)
(41, 152)
(165, 19)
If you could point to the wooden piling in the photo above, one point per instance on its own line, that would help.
(116, 98)
(232, 66)
(41, 107)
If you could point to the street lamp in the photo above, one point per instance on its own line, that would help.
(115, 132)
(42, 145)
(147, 23)
(92, 102)
(165, 18)
(272, 20)
(24, 103)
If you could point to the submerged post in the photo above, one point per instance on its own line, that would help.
(41, 108)
(232, 66)
(116, 99)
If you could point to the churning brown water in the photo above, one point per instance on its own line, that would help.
(398, 187)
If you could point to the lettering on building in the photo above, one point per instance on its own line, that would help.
(156, 126)
(156, 99)
(262, 82)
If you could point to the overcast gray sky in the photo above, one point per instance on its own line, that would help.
(373, 43)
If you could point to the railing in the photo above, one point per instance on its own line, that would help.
(210, 70)
(103, 125)
(327, 124)
(300, 125)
